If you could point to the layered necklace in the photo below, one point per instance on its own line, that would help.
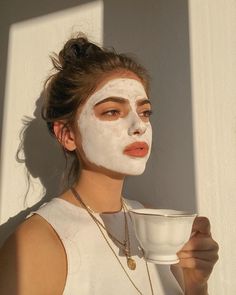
(124, 246)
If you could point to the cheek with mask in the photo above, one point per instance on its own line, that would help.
(105, 142)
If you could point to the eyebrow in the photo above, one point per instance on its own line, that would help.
(123, 100)
(143, 101)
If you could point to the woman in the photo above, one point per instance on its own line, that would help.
(83, 242)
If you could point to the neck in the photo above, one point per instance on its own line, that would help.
(102, 193)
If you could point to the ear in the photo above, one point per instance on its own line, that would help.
(64, 135)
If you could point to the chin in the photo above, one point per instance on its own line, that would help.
(120, 173)
(131, 171)
(135, 173)
(129, 168)
(120, 168)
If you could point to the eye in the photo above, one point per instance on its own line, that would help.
(111, 113)
(146, 113)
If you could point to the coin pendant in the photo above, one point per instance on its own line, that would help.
(131, 263)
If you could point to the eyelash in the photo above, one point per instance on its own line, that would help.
(111, 111)
(148, 113)
(114, 112)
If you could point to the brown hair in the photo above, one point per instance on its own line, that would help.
(80, 66)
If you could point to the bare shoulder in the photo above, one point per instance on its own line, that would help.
(32, 260)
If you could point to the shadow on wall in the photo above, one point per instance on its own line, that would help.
(44, 159)
(13, 11)
(157, 31)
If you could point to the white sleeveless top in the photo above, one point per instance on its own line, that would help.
(92, 268)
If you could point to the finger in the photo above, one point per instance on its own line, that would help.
(202, 224)
(211, 256)
(200, 243)
(194, 263)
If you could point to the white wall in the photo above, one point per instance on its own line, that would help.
(28, 64)
(213, 62)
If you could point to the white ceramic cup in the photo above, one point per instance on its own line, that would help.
(162, 232)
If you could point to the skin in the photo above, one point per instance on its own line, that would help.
(24, 257)
(114, 117)
(198, 257)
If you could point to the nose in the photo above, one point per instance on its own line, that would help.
(137, 126)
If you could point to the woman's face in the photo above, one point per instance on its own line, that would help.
(114, 128)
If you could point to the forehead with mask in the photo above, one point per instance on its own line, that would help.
(114, 125)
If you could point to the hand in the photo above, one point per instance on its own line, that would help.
(198, 257)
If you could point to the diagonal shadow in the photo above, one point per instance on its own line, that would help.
(158, 32)
(13, 11)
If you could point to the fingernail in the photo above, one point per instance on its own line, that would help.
(193, 234)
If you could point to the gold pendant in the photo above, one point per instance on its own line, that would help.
(131, 263)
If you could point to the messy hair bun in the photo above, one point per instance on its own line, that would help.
(80, 66)
(77, 49)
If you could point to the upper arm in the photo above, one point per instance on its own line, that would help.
(30, 259)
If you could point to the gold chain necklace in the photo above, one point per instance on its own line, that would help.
(130, 262)
(126, 244)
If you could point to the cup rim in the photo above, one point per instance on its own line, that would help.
(178, 213)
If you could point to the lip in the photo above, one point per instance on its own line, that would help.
(137, 149)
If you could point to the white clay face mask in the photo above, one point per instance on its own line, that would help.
(104, 141)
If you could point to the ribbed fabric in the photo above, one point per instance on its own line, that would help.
(92, 267)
